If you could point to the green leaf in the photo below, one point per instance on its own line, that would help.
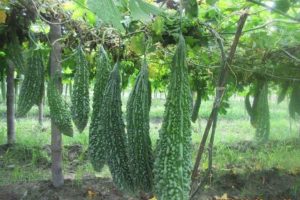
(158, 25)
(191, 8)
(107, 11)
(283, 5)
(137, 44)
(211, 2)
(142, 11)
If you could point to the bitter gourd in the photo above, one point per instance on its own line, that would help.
(96, 142)
(112, 127)
(197, 105)
(32, 88)
(139, 142)
(294, 105)
(15, 53)
(172, 168)
(59, 110)
(283, 91)
(80, 106)
(263, 115)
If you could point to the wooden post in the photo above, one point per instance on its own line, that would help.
(220, 91)
(10, 102)
(56, 136)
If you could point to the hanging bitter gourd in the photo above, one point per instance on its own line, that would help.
(294, 105)
(31, 92)
(252, 108)
(112, 127)
(196, 106)
(263, 115)
(16, 54)
(172, 168)
(259, 111)
(96, 142)
(59, 110)
(80, 106)
(139, 142)
(283, 91)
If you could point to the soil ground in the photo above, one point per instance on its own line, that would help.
(267, 185)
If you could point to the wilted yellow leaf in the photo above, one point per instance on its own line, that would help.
(91, 194)
(223, 197)
(69, 5)
(2, 16)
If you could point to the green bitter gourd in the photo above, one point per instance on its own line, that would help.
(96, 142)
(59, 110)
(294, 105)
(139, 142)
(32, 89)
(172, 168)
(80, 106)
(112, 127)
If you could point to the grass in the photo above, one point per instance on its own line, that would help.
(233, 143)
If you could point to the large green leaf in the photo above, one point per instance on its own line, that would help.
(142, 11)
(191, 8)
(211, 2)
(107, 11)
(282, 5)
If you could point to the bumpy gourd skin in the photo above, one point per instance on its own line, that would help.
(112, 127)
(80, 96)
(96, 141)
(263, 115)
(139, 142)
(59, 110)
(172, 168)
(32, 88)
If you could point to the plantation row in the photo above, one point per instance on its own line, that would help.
(132, 42)
(130, 157)
(133, 164)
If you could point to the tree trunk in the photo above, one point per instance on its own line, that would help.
(56, 137)
(11, 133)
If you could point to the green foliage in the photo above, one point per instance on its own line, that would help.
(211, 2)
(112, 129)
(32, 89)
(59, 110)
(282, 5)
(141, 10)
(137, 44)
(96, 141)
(294, 105)
(191, 8)
(139, 142)
(80, 95)
(107, 11)
(172, 167)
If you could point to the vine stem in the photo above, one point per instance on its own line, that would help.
(220, 91)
